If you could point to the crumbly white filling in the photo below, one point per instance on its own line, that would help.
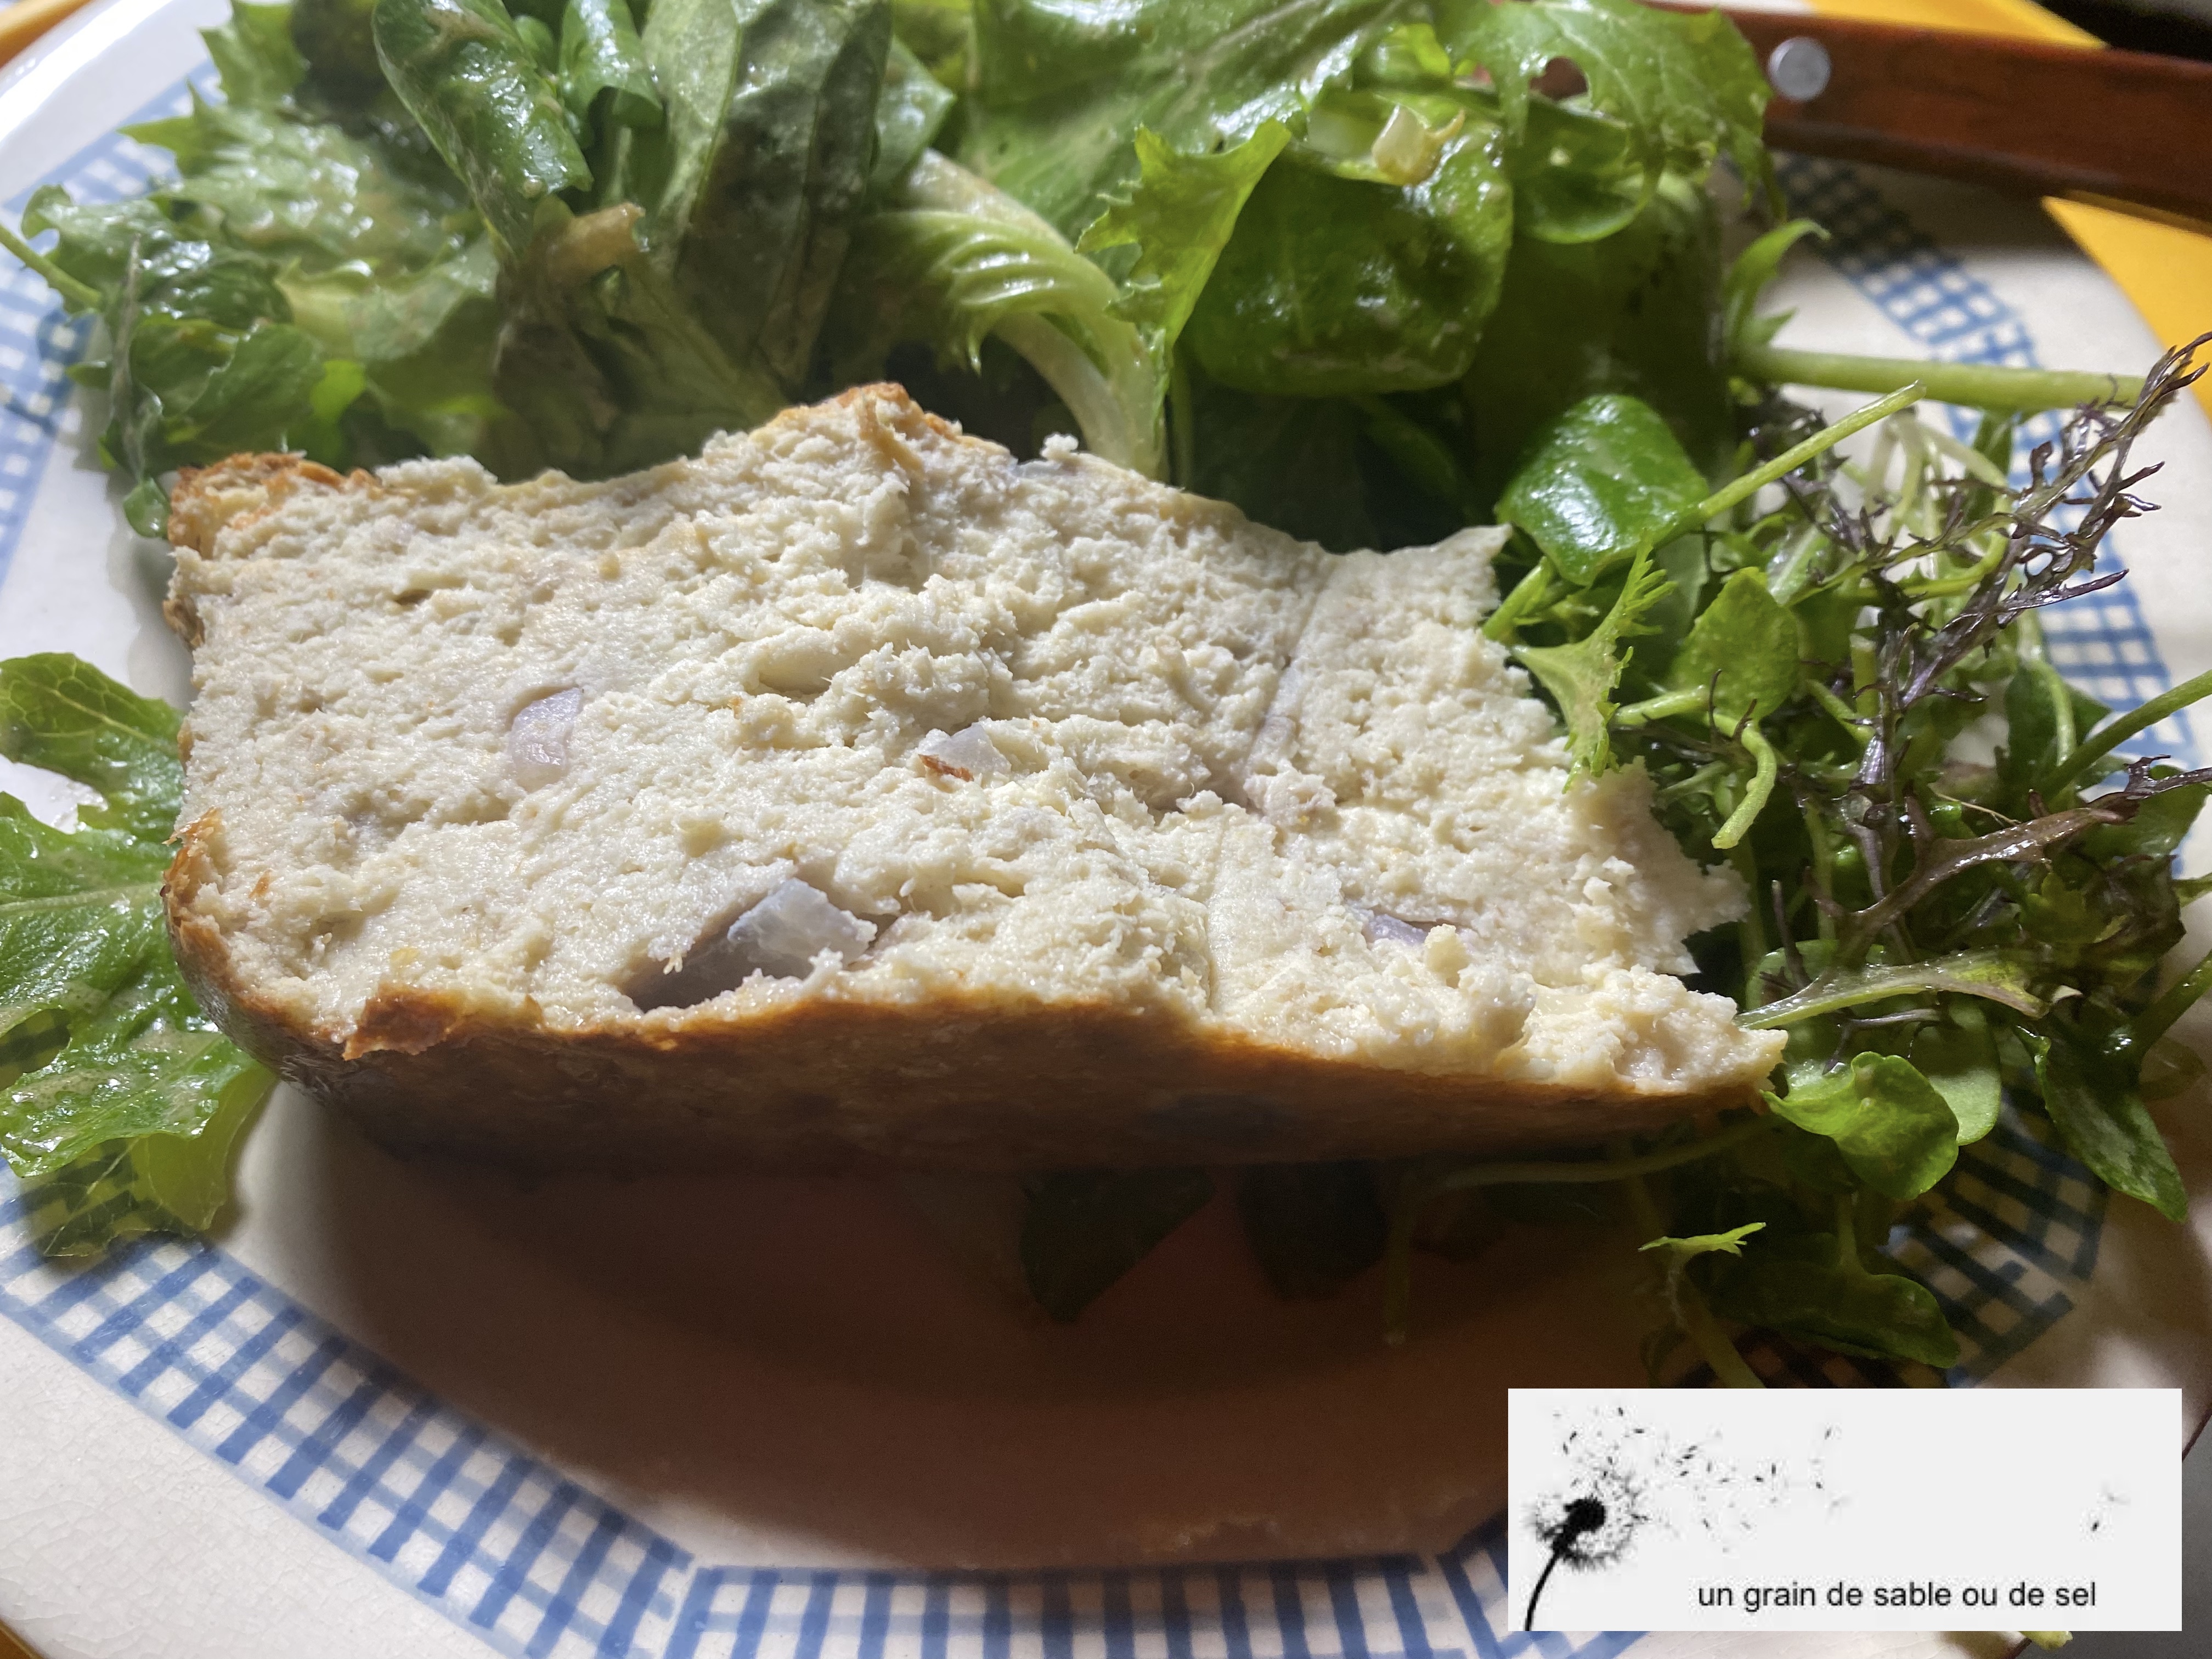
(853, 708)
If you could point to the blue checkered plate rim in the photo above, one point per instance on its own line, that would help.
(506, 1546)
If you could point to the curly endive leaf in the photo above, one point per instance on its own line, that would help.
(1582, 677)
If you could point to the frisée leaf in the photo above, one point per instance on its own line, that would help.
(1178, 216)
(1581, 677)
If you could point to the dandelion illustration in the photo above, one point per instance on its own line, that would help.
(1623, 1476)
(1589, 1523)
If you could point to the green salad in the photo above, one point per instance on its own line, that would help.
(1371, 269)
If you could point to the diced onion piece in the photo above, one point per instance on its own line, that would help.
(537, 738)
(787, 931)
(1379, 925)
(1407, 149)
(966, 754)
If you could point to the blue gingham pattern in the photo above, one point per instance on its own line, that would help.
(506, 1545)
(485, 1532)
(37, 345)
(1384, 1607)
(2001, 1245)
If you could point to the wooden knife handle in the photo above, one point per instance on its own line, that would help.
(2120, 126)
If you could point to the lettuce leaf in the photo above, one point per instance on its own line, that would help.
(1742, 651)
(1814, 1288)
(2100, 1112)
(1686, 88)
(306, 283)
(602, 359)
(1894, 1127)
(255, 55)
(120, 1101)
(601, 58)
(62, 714)
(1290, 462)
(311, 191)
(156, 1183)
(785, 179)
(474, 84)
(337, 41)
(203, 359)
(751, 186)
(1634, 311)
(1337, 286)
(911, 108)
(1598, 484)
(1061, 90)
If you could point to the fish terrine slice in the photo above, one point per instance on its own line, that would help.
(857, 794)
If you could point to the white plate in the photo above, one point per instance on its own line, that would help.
(393, 1410)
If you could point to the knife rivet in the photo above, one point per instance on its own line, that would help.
(1798, 68)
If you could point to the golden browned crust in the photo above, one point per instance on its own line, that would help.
(207, 499)
(398, 1020)
(873, 393)
(961, 1083)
